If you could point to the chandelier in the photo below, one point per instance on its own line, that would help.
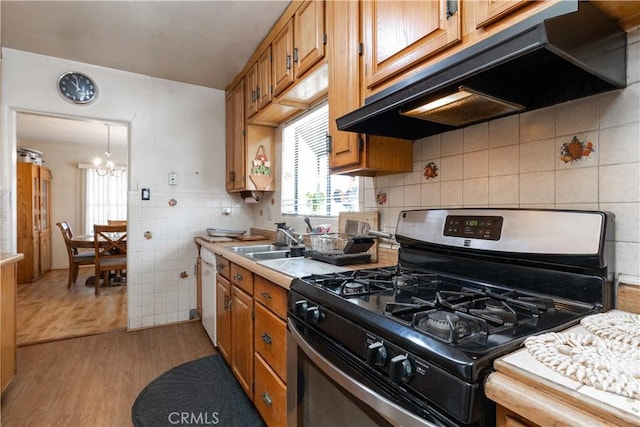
(108, 168)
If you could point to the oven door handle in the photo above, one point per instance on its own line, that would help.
(390, 411)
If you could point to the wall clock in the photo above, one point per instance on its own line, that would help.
(77, 87)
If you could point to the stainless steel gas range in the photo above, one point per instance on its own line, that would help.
(412, 344)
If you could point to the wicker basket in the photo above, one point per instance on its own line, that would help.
(261, 181)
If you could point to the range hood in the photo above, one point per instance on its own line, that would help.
(568, 51)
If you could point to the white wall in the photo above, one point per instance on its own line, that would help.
(173, 127)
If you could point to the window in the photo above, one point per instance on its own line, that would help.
(105, 198)
(307, 187)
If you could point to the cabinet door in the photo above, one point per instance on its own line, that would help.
(223, 316)
(251, 91)
(271, 340)
(8, 324)
(282, 65)
(234, 139)
(242, 338)
(309, 36)
(265, 86)
(45, 251)
(271, 395)
(398, 34)
(489, 11)
(344, 82)
(45, 198)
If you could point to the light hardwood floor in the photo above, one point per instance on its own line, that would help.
(47, 310)
(94, 380)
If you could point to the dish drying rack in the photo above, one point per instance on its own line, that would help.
(339, 248)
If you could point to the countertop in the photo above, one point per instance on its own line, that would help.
(524, 385)
(275, 270)
(7, 258)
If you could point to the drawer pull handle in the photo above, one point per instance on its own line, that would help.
(265, 295)
(238, 277)
(266, 338)
(220, 266)
(267, 399)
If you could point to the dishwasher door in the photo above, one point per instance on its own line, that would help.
(209, 293)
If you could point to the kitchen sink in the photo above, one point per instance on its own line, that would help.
(257, 248)
(276, 254)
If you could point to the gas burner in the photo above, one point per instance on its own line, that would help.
(442, 320)
(350, 288)
(451, 327)
(422, 280)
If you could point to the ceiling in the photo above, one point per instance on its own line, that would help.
(204, 43)
(32, 128)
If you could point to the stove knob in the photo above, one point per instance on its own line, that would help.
(377, 354)
(301, 308)
(400, 368)
(314, 315)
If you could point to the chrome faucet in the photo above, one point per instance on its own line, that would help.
(295, 241)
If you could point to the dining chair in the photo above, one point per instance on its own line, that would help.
(110, 243)
(116, 222)
(76, 258)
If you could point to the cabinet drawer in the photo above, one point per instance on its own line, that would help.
(272, 296)
(270, 340)
(242, 278)
(270, 395)
(222, 267)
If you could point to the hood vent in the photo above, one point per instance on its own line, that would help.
(568, 51)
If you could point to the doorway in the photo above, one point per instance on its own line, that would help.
(46, 309)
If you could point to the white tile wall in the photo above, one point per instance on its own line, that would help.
(157, 293)
(515, 162)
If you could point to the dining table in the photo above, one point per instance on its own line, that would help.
(86, 241)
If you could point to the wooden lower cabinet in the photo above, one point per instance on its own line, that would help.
(242, 338)
(271, 394)
(8, 292)
(507, 418)
(270, 340)
(252, 337)
(223, 317)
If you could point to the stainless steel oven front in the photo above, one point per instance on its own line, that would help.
(325, 389)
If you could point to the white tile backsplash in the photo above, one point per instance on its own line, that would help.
(538, 156)
(504, 131)
(620, 183)
(450, 168)
(430, 147)
(620, 144)
(537, 124)
(476, 164)
(451, 193)
(504, 190)
(537, 188)
(476, 137)
(475, 192)
(577, 116)
(451, 143)
(620, 106)
(578, 185)
(504, 160)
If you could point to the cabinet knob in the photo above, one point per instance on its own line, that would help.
(238, 277)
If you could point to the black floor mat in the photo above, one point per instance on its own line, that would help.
(202, 392)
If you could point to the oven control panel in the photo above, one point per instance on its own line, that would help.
(473, 227)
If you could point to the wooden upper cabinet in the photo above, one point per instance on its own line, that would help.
(343, 37)
(258, 84)
(309, 36)
(399, 34)
(251, 92)
(489, 11)
(282, 65)
(234, 138)
(265, 85)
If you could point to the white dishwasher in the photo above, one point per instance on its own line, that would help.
(209, 292)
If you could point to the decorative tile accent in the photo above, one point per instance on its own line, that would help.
(430, 170)
(575, 150)
(381, 197)
(173, 202)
